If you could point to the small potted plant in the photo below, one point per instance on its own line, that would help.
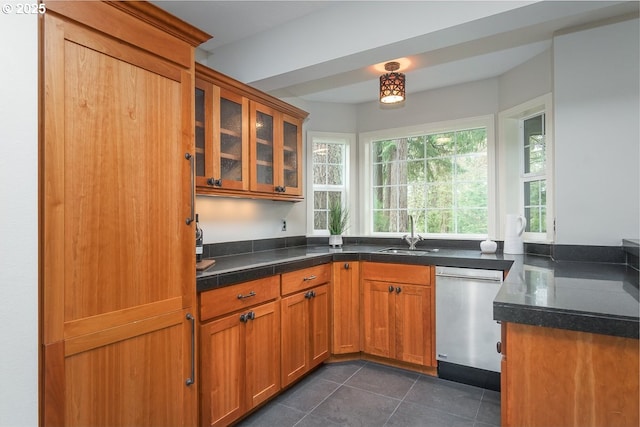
(338, 222)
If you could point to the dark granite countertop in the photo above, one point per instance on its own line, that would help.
(589, 297)
(579, 296)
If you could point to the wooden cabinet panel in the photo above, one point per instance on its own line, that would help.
(118, 267)
(401, 273)
(299, 280)
(305, 332)
(399, 317)
(295, 337)
(218, 302)
(345, 307)
(319, 326)
(222, 371)
(378, 316)
(263, 354)
(578, 378)
(413, 324)
(239, 363)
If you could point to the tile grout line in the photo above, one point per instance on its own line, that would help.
(402, 400)
(329, 395)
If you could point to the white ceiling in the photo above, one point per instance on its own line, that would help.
(334, 51)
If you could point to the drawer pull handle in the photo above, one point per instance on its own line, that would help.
(499, 347)
(249, 295)
(312, 277)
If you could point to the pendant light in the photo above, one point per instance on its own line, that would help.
(392, 84)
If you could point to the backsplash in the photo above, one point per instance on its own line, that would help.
(627, 253)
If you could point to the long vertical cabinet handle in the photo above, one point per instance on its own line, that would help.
(192, 161)
(192, 379)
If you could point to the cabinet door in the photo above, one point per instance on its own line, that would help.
(263, 354)
(204, 100)
(295, 337)
(413, 324)
(222, 371)
(232, 140)
(378, 317)
(118, 265)
(263, 133)
(346, 307)
(319, 325)
(291, 156)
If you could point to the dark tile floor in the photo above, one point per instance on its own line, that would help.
(361, 393)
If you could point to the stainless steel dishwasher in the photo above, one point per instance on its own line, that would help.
(466, 334)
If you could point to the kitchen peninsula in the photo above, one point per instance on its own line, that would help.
(570, 329)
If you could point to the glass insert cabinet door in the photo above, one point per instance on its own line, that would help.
(232, 140)
(291, 155)
(263, 153)
(221, 138)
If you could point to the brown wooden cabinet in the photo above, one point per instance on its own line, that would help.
(398, 312)
(248, 143)
(556, 377)
(222, 138)
(117, 274)
(305, 321)
(345, 307)
(240, 351)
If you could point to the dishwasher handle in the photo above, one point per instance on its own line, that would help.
(469, 273)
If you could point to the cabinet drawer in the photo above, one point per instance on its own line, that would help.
(400, 273)
(306, 278)
(218, 302)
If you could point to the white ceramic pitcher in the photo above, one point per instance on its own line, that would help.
(513, 243)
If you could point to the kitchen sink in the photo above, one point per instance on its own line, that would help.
(399, 251)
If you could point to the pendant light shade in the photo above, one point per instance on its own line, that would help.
(392, 88)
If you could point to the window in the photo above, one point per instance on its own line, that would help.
(526, 166)
(533, 178)
(330, 176)
(440, 178)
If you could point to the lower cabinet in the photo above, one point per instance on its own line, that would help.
(239, 352)
(305, 321)
(556, 377)
(398, 312)
(345, 307)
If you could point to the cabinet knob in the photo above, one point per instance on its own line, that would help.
(346, 265)
(398, 290)
(499, 347)
(214, 182)
(390, 288)
(280, 189)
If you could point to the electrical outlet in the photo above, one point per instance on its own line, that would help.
(284, 225)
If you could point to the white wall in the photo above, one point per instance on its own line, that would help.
(596, 90)
(454, 102)
(526, 81)
(19, 220)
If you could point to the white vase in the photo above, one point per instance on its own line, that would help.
(335, 240)
(488, 246)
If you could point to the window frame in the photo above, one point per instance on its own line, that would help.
(366, 140)
(348, 139)
(511, 152)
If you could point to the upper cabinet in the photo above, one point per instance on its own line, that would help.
(248, 143)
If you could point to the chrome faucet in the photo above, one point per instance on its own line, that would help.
(414, 238)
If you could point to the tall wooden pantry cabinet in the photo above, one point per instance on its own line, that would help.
(117, 262)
